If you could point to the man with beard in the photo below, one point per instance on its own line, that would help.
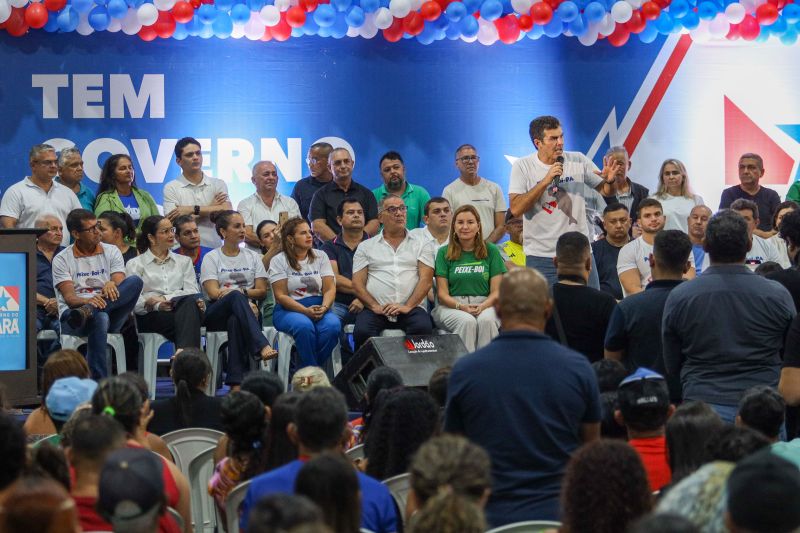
(393, 172)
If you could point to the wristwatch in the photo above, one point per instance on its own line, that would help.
(197, 210)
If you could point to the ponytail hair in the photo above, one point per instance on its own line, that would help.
(149, 227)
(448, 511)
(122, 222)
(189, 370)
(119, 399)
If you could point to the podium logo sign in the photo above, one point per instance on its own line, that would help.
(9, 310)
(13, 311)
(420, 346)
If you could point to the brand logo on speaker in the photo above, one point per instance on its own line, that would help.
(420, 346)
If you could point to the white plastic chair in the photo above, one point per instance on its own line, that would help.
(201, 468)
(232, 503)
(285, 343)
(529, 526)
(114, 341)
(356, 452)
(214, 342)
(149, 344)
(399, 486)
(186, 444)
(47, 335)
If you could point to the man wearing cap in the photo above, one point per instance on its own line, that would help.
(64, 397)
(644, 408)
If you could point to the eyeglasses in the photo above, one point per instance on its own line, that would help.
(394, 209)
(469, 158)
(166, 231)
(313, 160)
(96, 228)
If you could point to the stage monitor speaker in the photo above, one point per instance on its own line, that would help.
(415, 357)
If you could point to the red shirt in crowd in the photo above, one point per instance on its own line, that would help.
(653, 452)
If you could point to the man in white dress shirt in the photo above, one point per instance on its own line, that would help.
(392, 273)
(266, 203)
(438, 217)
(762, 250)
(194, 193)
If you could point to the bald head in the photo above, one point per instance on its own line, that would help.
(524, 301)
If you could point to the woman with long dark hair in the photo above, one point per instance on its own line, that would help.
(331, 482)
(118, 191)
(281, 448)
(119, 230)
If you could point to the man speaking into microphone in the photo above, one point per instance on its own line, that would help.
(548, 188)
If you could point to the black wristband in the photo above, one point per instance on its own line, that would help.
(197, 210)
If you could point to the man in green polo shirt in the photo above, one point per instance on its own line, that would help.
(393, 172)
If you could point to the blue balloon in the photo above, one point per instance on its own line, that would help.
(222, 25)
(664, 23)
(82, 6)
(240, 14)
(68, 19)
(491, 9)
(441, 24)
(325, 15)
(764, 35)
(207, 13)
(310, 27)
(52, 22)
(567, 11)
(117, 8)
(790, 37)
(779, 27)
(690, 21)
(468, 26)
(555, 27)
(339, 28)
(649, 33)
(99, 19)
(324, 32)
(194, 27)
(792, 13)
(224, 5)
(536, 32)
(255, 5)
(507, 7)
(594, 11)
(453, 31)
(577, 26)
(472, 5)
(181, 32)
(136, 4)
(207, 32)
(342, 5)
(297, 32)
(678, 8)
(455, 11)
(707, 10)
(427, 35)
(355, 17)
(369, 6)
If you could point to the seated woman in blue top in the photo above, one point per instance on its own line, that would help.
(304, 287)
(234, 278)
(118, 192)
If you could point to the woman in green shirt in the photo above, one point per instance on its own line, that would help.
(468, 274)
(118, 192)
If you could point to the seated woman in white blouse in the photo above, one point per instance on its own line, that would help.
(233, 278)
(304, 286)
(170, 303)
(675, 195)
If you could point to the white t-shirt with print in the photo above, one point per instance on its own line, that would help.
(304, 282)
(677, 210)
(239, 272)
(553, 215)
(636, 254)
(88, 274)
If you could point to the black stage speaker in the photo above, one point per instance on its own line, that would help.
(415, 357)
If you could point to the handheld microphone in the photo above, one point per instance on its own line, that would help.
(557, 179)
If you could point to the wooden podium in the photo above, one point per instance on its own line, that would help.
(18, 314)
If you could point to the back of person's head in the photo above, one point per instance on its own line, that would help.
(80, 413)
(727, 240)
(768, 267)
(131, 490)
(309, 377)
(38, 505)
(437, 385)
(137, 381)
(605, 488)
(524, 298)
(280, 513)
(244, 421)
(664, 523)
(62, 364)
(383, 377)
(762, 408)
(12, 450)
(643, 400)
(572, 249)
(610, 374)
(49, 462)
(266, 385)
(120, 221)
(764, 495)
(450, 462)
(408, 418)
(671, 249)
(688, 431)
(281, 448)
(790, 227)
(93, 437)
(66, 395)
(117, 398)
(330, 481)
(190, 372)
(732, 443)
(610, 428)
(321, 419)
(448, 512)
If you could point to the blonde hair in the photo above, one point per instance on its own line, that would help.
(308, 378)
(661, 192)
(454, 246)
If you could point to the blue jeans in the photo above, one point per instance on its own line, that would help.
(546, 267)
(45, 348)
(314, 340)
(345, 342)
(728, 415)
(105, 321)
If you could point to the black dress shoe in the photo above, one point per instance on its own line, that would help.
(78, 316)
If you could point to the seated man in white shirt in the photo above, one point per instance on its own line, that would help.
(392, 273)
(762, 249)
(38, 194)
(94, 296)
(266, 203)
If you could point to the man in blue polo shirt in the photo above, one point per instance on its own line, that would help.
(48, 245)
(393, 172)
(527, 400)
(321, 426)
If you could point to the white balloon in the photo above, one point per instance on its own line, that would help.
(700, 34)
(283, 5)
(735, 13)
(83, 26)
(487, 32)
(148, 14)
(368, 30)
(399, 8)
(749, 5)
(114, 26)
(588, 38)
(164, 5)
(383, 18)
(254, 28)
(621, 12)
(130, 23)
(635, 4)
(270, 15)
(238, 31)
(606, 26)
(521, 6)
(720, 26)
(18, 3)
(5, 11)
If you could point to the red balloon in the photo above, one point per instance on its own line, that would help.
(16, 25)
(394, 32)
(55, 5)
(749, 28)
(182, 12)
(650, 10)
(507, 29)
(36, 16)
(296, 16)
(779, 3)
(620, 35)
(281, 31)
(525, 22)
(443, 4)
(663, 4)
(636, 24)
(553, 3)
(148, 33)
(733, 32)
(413, 24)
(195, 3)
(430, 10)
(267, 35)
(541, 13)
(766, 14)
(309, 5)
(165, 25)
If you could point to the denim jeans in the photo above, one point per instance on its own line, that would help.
(314, 340)
(345, 340)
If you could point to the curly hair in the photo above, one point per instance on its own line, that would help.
(244, 421)
(448, 512)
(406, 419)
(605, 488)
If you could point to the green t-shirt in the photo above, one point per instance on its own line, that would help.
(468, 276)
(415, 197)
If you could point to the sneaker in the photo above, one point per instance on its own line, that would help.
(78, 316)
